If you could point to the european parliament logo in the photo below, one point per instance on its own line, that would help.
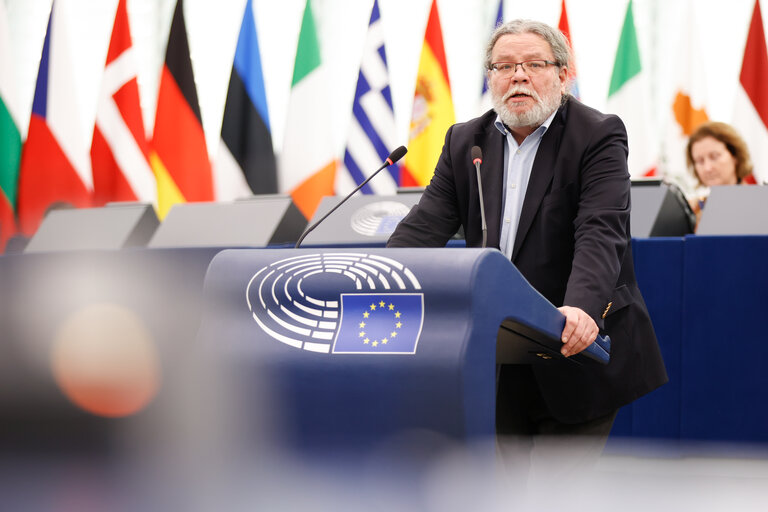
(340, 303)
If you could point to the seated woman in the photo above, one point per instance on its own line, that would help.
(717, 155)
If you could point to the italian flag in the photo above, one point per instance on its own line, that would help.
(627, 97)
(751, 107)
(10, 138)
(307, 163)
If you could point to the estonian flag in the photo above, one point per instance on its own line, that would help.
(245, 163)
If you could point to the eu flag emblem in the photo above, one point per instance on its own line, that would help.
(379, 323)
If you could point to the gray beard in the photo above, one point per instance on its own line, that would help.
(535, 116)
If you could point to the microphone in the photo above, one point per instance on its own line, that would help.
(393, 157)
(477, 159)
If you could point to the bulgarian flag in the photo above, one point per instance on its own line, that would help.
(179, 157)
(55, 168)
(627, 97)
(10, 138)
(307, 163)
(432, 108)
(120, 150)
(751, 106)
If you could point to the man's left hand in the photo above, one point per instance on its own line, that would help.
(579, 332)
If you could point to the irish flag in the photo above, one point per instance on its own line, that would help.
(627, 97)
(751, 107)
(120, 150)
(432, 108)
(10, 139)
(307, 162)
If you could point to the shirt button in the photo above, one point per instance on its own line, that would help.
(507, 220)
(518, 151)
(512, 185)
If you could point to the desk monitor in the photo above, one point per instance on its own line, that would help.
(659, 209)
(115, 226)
(735, 210)
(258, 221)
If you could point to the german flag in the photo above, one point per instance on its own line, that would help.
(179, 157)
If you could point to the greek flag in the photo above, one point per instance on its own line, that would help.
(485, 97)
(372, 131)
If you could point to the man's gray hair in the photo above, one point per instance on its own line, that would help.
(557, 41)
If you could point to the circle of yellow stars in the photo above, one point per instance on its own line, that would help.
(380, 306)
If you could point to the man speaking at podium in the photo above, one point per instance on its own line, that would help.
(557, 203)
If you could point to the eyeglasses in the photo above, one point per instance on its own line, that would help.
(530, 67)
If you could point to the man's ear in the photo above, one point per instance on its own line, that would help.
(563, 76)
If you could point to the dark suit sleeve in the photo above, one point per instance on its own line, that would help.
(434, 220)
(601, 225)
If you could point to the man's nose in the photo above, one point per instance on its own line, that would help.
(520, 75)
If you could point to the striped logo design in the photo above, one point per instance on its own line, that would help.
(350, 303)
(379, 218)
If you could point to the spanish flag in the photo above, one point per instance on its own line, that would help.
(179, 157)
(432, 108)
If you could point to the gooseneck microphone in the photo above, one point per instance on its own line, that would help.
(477, 159)
(393, 157)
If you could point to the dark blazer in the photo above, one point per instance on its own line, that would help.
(572, 243)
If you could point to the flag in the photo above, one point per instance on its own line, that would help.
(432, 107)
(245, 161)
(307, 162)
(119, 149)
(566, 30)
(627, 98)
(486, 103)
(372, 131)
(179, 157)
(751, 105)
(10, 138)
(379, 323)
(687, 106)
(55, 169)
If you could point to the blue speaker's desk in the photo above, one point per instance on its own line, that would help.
(357, 347)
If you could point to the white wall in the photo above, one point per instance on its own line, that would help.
(213, 26)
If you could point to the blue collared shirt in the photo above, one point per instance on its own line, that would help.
(518, 162)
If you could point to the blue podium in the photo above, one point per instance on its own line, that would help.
(349, 350)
